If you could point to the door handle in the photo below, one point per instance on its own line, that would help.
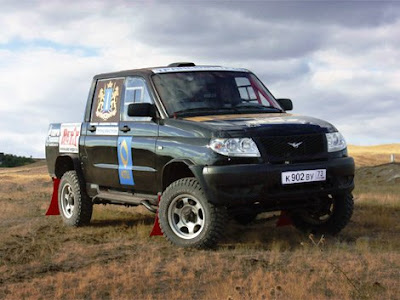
(125, 129)
(92, 128)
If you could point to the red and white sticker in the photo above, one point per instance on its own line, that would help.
(69, 137)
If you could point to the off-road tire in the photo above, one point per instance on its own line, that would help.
(81, 212)
(341, 214)
(212, 218)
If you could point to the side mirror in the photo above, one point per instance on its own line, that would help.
(286, 104)
(142, 110)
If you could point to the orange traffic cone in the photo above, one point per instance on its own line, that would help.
(284, 219)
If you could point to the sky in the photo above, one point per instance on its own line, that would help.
(337, 60)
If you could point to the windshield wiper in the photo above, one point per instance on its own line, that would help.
(206, 110)
(256, 106)
(240, 108)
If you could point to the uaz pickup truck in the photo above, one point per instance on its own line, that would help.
(199, 145)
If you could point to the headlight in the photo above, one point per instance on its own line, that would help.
(335, 141)
(235, 147)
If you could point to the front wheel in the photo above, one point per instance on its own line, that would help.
(187, 219)
(75, 205)
(330, 218)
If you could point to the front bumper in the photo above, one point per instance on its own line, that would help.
(246, 184)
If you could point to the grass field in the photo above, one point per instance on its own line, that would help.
(374, 155)
(114, 257)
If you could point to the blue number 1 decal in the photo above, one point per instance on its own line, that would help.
(125, 161)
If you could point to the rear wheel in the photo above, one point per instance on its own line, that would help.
(187, 219)
(75, 205)
(329, 218)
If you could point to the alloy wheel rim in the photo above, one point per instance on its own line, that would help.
(186, 216)
(67, 201)
(320, 217)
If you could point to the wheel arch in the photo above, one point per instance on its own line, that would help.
(176, 169)
(67, 163)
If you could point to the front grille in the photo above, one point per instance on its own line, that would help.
(293, 148)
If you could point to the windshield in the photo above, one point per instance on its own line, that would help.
(213, 92)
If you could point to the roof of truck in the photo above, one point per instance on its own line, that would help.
(172, 68)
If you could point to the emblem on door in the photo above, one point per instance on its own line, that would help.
(125, 161)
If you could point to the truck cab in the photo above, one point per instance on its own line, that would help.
(211, 141)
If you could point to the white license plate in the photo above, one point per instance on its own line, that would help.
(303, 176)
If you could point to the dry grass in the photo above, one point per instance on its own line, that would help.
(374, 155)
(385, 149)
(114, 258)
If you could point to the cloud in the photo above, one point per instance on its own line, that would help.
(213, 34)
(338, 60)
(320, 13)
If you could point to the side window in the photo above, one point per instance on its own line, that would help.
(246, 91)
(135, 92)
(106, 102)
(250, 93)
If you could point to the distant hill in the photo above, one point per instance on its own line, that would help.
(10, 160)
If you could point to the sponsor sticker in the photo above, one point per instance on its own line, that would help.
(125, 161)
(53, 137)
(69, 137)
(107, 130)
(54, 132)
(52, 140)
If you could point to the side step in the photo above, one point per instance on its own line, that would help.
(128, 199)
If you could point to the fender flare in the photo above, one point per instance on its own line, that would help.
(189, 163)
(76, 164)
(197, 171)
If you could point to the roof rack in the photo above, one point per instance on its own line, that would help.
(182, 64)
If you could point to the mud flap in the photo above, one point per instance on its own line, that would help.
(284, 219)
(156, 227)
(53, 209)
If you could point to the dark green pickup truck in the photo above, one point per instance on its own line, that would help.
(211, 142)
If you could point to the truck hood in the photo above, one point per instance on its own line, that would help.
(265, 124)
